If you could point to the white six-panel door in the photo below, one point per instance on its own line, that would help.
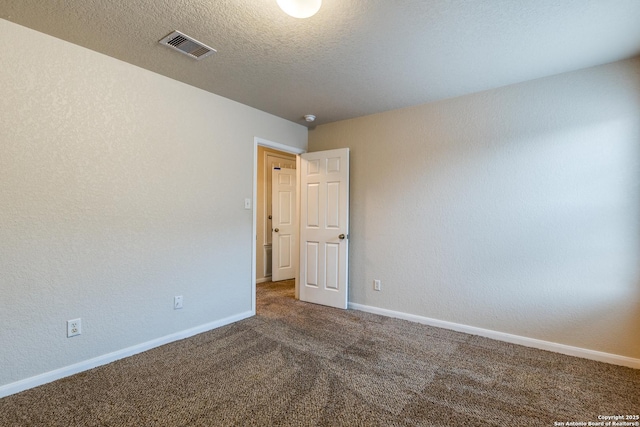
(324, 227)
(285, 237)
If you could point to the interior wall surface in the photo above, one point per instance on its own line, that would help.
(514, 210)
(119, 189)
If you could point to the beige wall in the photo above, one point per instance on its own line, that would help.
(119, 189)
(514, 210)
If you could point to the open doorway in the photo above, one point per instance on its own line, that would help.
(267, 155)
(268, 161)
(322, 210)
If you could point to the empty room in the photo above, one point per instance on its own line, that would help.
(320, 213)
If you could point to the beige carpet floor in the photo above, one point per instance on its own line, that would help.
(298, 364)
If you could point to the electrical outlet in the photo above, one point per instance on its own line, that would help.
(177, 302)
(377, 286)
(74, 327)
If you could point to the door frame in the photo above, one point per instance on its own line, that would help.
(286, 149)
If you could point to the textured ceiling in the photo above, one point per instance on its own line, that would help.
(355, 57)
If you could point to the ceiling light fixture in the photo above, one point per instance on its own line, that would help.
(300, 8)
(309, 117)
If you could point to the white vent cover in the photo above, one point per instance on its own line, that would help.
(187, 45)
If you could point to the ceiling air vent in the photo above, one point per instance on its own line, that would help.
(187, 45)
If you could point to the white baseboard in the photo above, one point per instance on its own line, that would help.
(263, 280)
(85, 365)
(501, 336)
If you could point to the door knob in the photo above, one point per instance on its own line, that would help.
(276, 230)
(341, 237)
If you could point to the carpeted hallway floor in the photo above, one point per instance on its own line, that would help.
(297, 364)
